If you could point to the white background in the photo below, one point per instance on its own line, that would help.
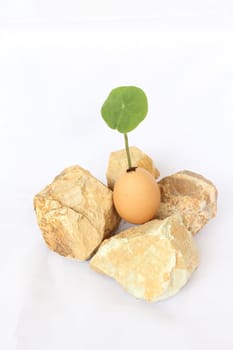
(58, 62)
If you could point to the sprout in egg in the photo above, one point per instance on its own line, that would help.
(136, 194)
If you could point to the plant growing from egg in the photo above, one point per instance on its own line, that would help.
(136, 194)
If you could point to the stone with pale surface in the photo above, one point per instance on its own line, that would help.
(188, 194)
(75, 213)
(152, 261)
(118, 163)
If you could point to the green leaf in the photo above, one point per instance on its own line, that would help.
(125, 108)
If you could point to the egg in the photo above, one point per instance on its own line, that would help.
(136, 196)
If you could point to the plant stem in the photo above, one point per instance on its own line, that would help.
(127, 151)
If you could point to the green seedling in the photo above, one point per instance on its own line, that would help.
(123, 110)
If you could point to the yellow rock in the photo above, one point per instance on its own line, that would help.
(152, 261)
(75, 213)
(190, 195)
(118, 163)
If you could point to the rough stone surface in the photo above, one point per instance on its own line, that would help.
(118, 163)
(75, 213)
(190, 195)
(152, 261)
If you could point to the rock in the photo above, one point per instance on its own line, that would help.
(152, 261)
(118, 163)
(75, 213)
(190, 195)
